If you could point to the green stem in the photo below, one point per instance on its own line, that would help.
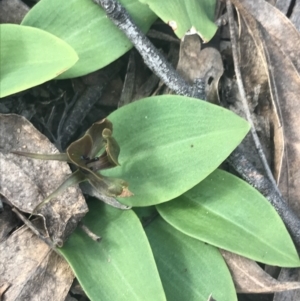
(75, 178)
(56, 157)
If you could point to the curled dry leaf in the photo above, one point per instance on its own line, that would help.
(249, 277)
(279, 27)
(26, 182)
(255, 80)
(44, 274)
(195, 63)
(278, 43)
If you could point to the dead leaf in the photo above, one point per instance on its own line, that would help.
(26, 182)
(249, 277)
(279, 27)
(288, 275)
(280, 46)
(32, 269)
(195, 63)
(255, 79)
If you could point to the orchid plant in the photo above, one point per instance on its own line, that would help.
(95, 151)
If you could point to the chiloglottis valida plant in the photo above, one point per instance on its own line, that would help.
(84, 154)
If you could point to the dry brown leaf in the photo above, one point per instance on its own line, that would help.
(26, 182)
(255, 80)
(276, 24)
(287, 89)
(249, 277)
(281, 43)
(288, 275)
(32, 269)
(196, 63)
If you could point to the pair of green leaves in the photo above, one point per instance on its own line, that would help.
(62, 39)
(124, 265)
(221, 210)
(73, 38)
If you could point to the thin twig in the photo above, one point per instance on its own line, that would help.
(152, 57)
(89, 233)
(29, 224)
(243, 95)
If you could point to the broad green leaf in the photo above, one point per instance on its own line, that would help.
(29, 57)
(84, 26)
(184, 15)
(120, 267)
(189, 269)
(169, 144)
(226, 212)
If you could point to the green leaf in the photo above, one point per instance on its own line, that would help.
(29, 57)
(169, 144)
(226, 212)
(189, 269)
(120, 267)
(84, 26)
(183, 15)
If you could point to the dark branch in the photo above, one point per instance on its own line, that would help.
(152, 57)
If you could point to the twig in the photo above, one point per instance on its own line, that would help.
(243, 96)
(89, 233)
(152, 57)
(29, 224)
